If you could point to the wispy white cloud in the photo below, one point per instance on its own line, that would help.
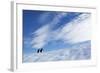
(81, 32)
(56, 18)
(43, 17)
(43, 35)
(78, 30)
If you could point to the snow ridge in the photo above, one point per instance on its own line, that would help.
(80, 51)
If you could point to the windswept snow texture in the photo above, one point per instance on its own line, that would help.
(62, 35)
(81, 51)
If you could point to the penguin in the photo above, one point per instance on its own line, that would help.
(40, 50)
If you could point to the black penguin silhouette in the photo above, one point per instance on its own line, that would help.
(40, 50)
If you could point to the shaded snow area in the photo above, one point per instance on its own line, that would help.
(80, 51)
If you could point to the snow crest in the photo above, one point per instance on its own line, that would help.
(80, 51)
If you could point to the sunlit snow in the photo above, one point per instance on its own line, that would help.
(79, 51)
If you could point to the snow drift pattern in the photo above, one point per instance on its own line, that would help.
(81, 51)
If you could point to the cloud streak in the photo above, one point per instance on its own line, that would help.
(77, 30)
(43, 34)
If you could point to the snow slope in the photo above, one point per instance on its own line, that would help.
(80, 51)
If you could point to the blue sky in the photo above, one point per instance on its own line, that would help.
(49, 29)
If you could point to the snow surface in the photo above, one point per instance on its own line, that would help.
(80, 51)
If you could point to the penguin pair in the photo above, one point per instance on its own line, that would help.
(40, 50)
